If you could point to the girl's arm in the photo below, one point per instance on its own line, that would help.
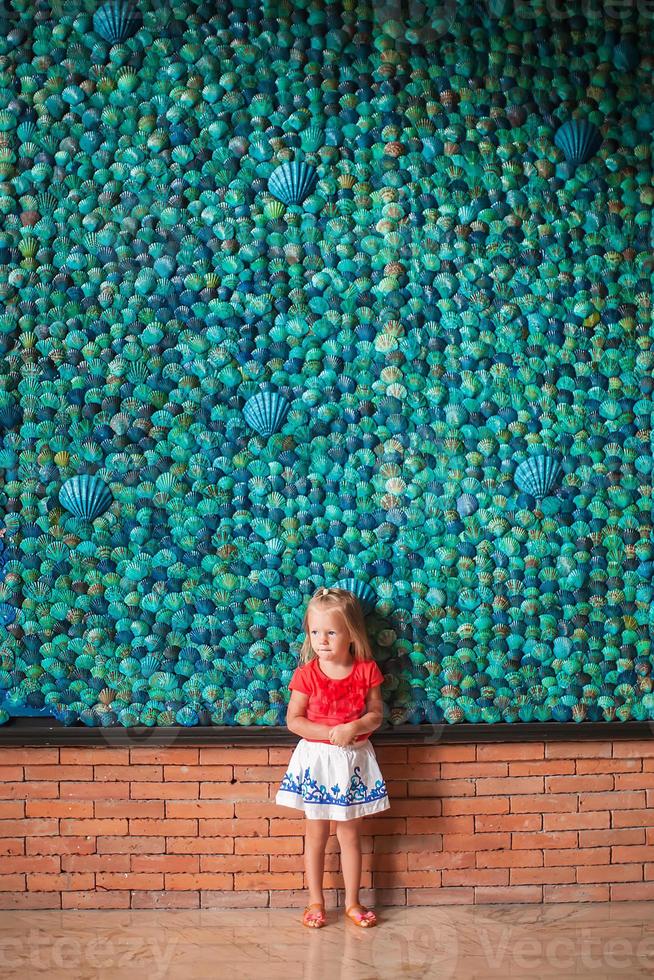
(374, 715)
(298, 723)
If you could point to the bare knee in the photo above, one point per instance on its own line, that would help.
(317, 831)
(348, 830)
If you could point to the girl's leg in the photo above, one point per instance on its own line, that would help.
(348, 832)
(315, 841)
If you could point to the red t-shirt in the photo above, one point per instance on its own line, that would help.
(334, 702)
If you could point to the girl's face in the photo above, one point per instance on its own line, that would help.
(329, 636)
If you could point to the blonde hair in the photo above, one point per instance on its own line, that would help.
(346, 604)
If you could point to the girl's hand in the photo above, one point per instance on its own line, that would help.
(342, 735)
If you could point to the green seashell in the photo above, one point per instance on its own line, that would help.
(166, 719)
(274, 210)
(312, 138)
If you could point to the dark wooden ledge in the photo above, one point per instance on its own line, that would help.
(48, 732)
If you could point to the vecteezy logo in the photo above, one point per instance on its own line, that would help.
(413, 20)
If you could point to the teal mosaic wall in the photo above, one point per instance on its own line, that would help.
(294, 295)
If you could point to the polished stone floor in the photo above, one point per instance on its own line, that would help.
(602, 941)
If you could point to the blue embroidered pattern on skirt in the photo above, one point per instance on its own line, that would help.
(357, 792)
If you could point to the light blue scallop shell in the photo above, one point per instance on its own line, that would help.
(85, 496)
(364, 592)
(467, 504)
(579, 140)
(538, 475)
(266, 411)
(292, 182)
(149, 666)
(116, 21)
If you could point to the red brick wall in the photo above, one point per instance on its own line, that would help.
(197, 827)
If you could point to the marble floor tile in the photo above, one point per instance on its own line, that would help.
(601, 941)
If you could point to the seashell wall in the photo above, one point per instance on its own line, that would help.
(299, 294)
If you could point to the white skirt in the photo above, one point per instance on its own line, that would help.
(333, 782)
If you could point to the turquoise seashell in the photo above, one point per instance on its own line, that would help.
(163, 681)
(312, 138)
(116, 21)
(129, 717)
(265, 412)
(149, 666)
(579, 140)
(291, 183)
(364, 592)
(85, 496)
(538, 475)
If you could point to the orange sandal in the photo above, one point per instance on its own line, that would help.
(314, 919)
(361, 916)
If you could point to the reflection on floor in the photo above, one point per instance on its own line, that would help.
(602, 941)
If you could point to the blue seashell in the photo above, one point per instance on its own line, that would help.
(561, 712)
(538, 475)
(364, 593)
(85, 496)
(9, 416)
(579, 140)
(626, 56)
(432, 147)
(266, 411)
(292, 182)
(66, 716)
(116, 21)
(187, 716)
(7, 613)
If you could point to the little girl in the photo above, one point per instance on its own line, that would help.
(333, 772)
